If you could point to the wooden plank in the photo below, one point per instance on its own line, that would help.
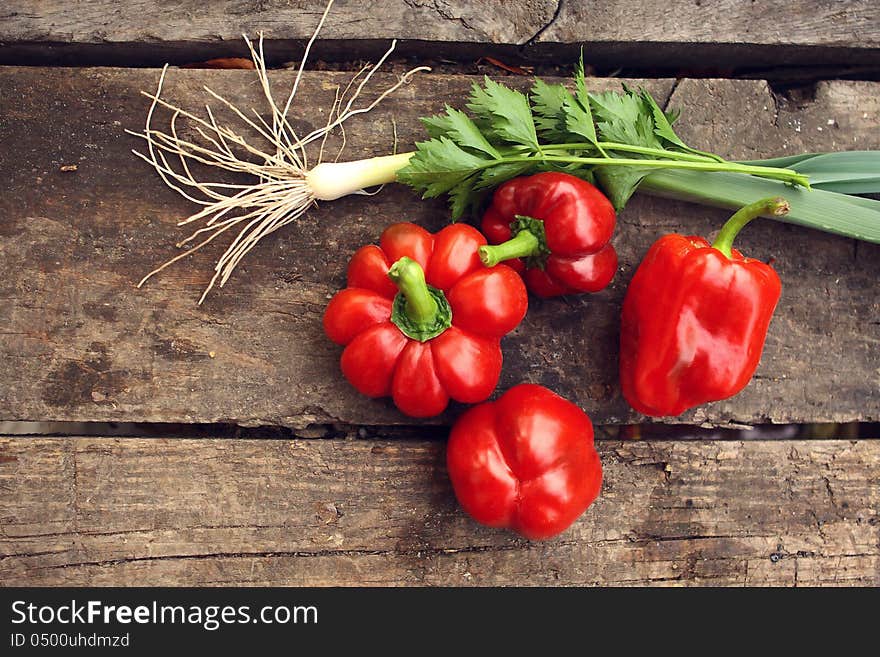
(722, 33)
(80, 343)
(88, 511)
(712, 33)
(496, 21)
(138, 30)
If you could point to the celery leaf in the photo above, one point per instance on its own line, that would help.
(458, 126)
(438, 166)
(504, 113)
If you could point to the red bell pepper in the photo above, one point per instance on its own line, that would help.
(695, 318)
(525, 462)
(560, 226)
(422, 319)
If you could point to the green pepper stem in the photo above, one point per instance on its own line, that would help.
(409, 277)
(523, 245)
(775, 206)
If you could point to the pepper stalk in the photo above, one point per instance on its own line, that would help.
(775, 207)
(420, 311)
(528, 241)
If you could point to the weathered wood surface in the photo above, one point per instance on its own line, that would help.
(351, 512)
(615, 32)
(808, 22)
(79, 343)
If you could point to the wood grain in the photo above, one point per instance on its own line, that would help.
(495, 21)
(719, 21)
(143, 31)
(79, 343)
(684, 33)
(87, 511)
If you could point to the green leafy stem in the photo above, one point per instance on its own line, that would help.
(687, 162)
(614, 139)
(623, 141)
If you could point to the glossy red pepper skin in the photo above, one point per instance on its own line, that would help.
(578, 224)
(464, 361)
(693, 325)
(525, 462)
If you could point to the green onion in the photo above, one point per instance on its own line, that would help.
(846, 172)
(818, 208)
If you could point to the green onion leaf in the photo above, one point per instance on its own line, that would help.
(847, 172)
(829, 211)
